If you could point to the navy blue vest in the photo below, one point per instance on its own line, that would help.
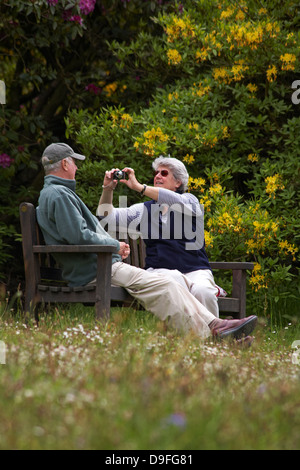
(170, 252)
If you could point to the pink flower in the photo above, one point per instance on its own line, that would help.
(76, 19)
(5, 160)
(87, 6)
(92, 88)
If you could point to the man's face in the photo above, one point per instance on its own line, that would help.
(71, 168)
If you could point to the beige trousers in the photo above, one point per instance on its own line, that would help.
(201, 284)
(164, 297)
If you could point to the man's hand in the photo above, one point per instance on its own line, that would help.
(124, 250)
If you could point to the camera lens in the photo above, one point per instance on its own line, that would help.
(119, 175)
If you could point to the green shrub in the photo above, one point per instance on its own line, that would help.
(223, 105)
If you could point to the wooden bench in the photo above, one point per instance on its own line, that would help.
(44, 283)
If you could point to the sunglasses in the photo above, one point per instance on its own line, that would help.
(162, 172)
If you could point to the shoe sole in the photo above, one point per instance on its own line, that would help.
(244, 330)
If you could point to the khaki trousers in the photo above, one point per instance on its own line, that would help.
(164, 297)
(200, 283)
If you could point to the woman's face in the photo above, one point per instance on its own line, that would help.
(163, 178)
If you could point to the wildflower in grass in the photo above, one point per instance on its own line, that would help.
(174, 57)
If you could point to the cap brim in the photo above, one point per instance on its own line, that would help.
(78, 156)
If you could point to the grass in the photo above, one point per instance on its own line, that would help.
(130, 384)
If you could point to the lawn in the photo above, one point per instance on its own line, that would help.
(130, 384)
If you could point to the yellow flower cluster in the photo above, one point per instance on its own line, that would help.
(288, 249)
(258, 280)
(251, 35)
(189, 159)
(200, 90)
(288, 61)
(174, 58)
(253, 157)
(180, 28)
(226, 75)
(208, 239)
(252, 88)
(272, 73)
(215, 189)
(122, 120)
(240, 15)
(274, 183)
(263, 229)
(110, 89)
(152, 138)
(196, 184)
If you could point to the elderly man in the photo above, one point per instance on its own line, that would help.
(65, 219)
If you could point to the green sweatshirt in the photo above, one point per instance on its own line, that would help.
(65, 220)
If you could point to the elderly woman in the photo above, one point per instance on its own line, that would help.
(171, 224)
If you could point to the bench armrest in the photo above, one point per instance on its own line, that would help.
(74, 249)
(231, 265)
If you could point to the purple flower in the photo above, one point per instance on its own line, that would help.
(87, 6)
(92, 88)
(52, 2)
(177, 420)
(76, 19)
(5, 160)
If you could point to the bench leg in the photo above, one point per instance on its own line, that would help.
(239, 289)
(103, 286)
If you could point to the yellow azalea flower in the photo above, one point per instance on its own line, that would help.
(272, 73)
(208, 239)
(288, 61)
(252, 157)
(174, 57)
(189, 159)
(273, 184)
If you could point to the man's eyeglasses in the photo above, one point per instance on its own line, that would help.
(162, 172)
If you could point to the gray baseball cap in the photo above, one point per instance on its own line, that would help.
(57, 152)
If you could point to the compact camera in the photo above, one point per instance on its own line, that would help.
(119, 175)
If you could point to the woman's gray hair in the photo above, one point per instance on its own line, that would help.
(52, 167)
(178, 169)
